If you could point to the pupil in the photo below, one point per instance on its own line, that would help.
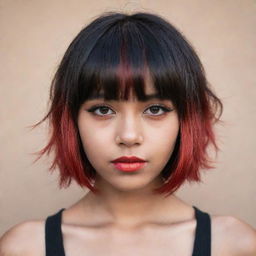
(155, 109)
(105, 110)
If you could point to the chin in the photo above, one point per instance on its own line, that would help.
(132, 185)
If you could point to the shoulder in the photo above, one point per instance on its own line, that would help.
(232, 236)
(26, 238)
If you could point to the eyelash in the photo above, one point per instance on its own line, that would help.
(94, 108)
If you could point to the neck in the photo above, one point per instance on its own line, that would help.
(130, 208)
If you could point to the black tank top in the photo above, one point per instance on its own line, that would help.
(202, 242)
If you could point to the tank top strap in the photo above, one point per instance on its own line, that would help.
(202, 242)
(53, 235)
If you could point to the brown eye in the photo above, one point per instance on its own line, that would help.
(102, 110)
(155, 110)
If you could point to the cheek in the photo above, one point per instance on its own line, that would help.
(166, 135)
(164, 142)
(93, 139)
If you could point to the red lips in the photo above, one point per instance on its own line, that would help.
(129, 163)
(128, 159)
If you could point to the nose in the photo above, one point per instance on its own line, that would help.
(129, 131)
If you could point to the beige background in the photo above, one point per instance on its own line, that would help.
(35, 34)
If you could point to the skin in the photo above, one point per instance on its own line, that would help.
(127, 218)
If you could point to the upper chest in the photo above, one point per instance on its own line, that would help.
(161, 240)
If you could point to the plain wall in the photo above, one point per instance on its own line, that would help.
(34, 36)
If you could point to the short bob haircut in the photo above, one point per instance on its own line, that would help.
(112, 54)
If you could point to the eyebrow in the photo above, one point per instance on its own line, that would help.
(147, 97)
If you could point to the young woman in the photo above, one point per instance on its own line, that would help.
(131, 119)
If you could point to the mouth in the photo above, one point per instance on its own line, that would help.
(128, 159)
(129, 167)
(129, 163)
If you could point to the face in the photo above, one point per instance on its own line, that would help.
(112, 129)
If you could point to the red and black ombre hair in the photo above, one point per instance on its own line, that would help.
(113, 54)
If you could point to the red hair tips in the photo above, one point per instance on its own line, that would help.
(196, 134)
(64, 142)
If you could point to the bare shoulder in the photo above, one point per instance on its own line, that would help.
(26, 238)
(232, 236)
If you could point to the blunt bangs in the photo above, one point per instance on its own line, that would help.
(115, 56)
